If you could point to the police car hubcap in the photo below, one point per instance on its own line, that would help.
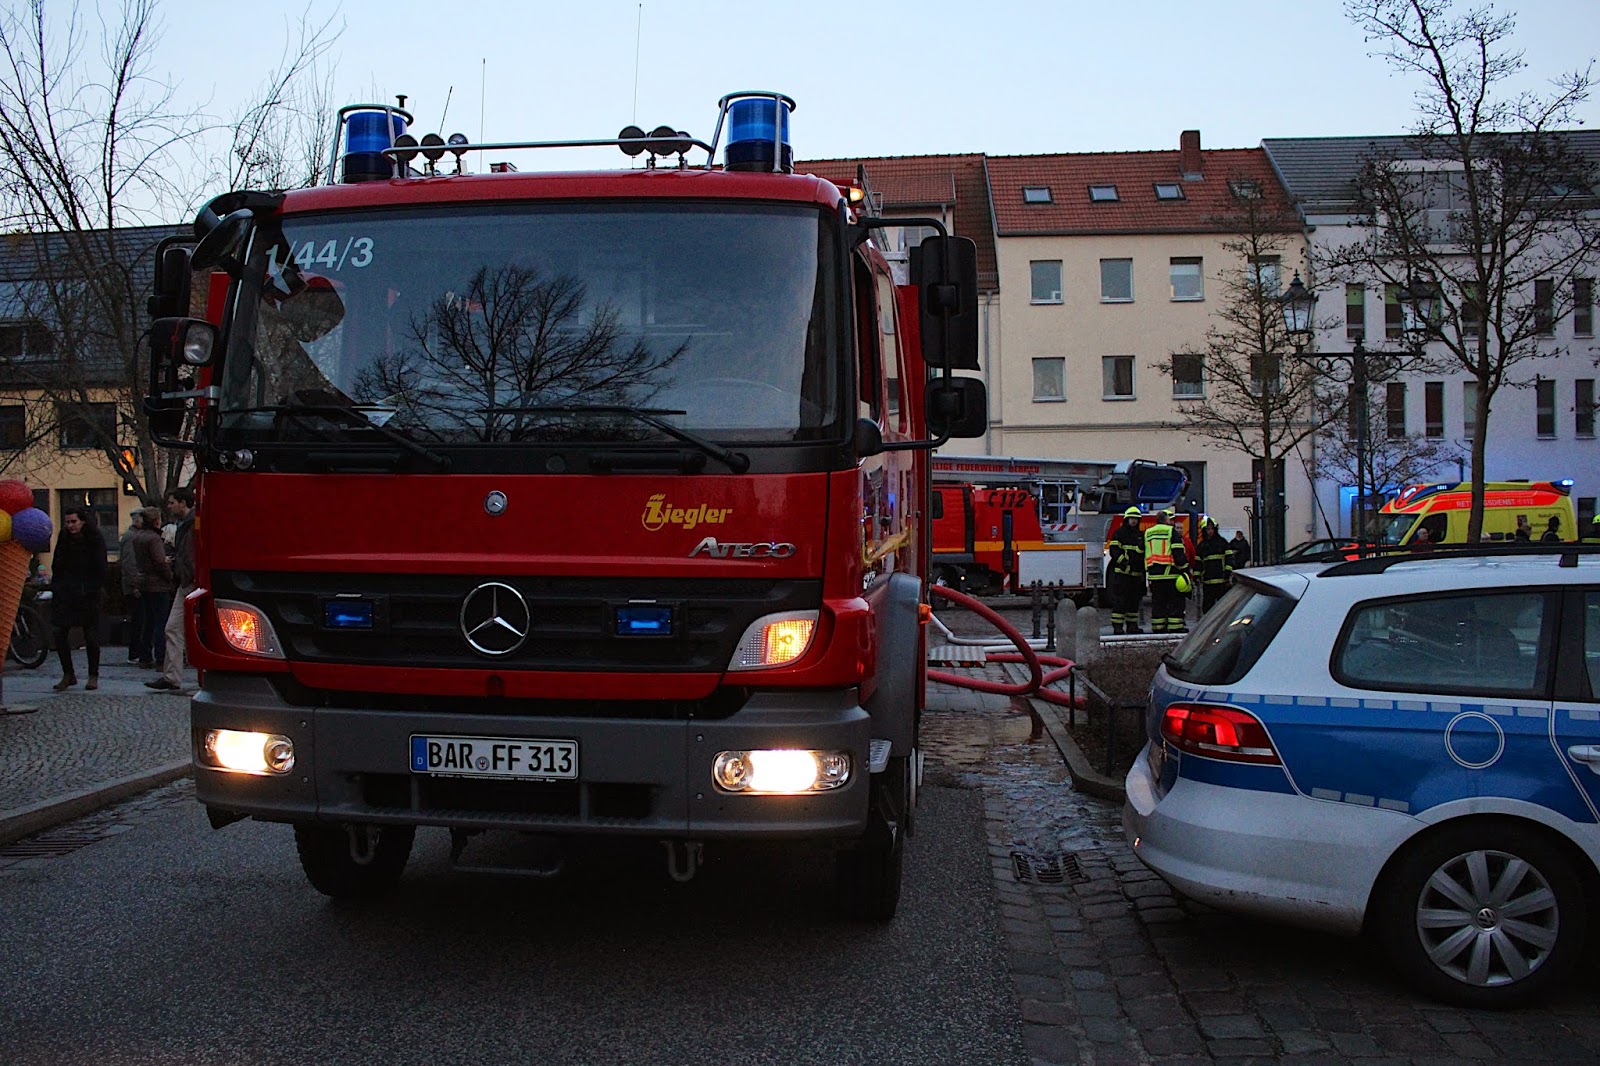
(1488, 918)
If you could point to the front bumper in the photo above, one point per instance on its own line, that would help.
(637, 776)
(1290, 858)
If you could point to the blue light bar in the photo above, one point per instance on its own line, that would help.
(644, 621)
(758, 126)
(347, 614)
(367, 133)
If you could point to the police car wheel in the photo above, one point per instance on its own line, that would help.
(325, 856)
(867, 874)
(1483, 915)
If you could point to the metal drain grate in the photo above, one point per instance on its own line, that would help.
(1059, 868)
(49, 845)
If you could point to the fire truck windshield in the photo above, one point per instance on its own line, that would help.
(493, 325)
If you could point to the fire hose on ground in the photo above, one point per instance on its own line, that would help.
(1038, 678)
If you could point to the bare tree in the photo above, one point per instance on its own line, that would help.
(1261, 400)
(92, 148)
(1487, 206)
(1388, 459)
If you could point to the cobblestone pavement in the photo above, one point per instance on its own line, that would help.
(75, 740)
(1110, 967)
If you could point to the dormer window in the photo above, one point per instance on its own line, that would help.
(1099, 194)
(1169, 190)
(1036, 194)
(1245, 189)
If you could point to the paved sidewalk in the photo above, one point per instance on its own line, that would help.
(76, 751)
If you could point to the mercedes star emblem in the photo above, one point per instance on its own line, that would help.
(495, 502)
(495, 618)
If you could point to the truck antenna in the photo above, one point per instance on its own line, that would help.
(638, 32)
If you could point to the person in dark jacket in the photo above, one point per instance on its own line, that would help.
(1125, 583)
(128, 566)
(1215, 560)
(1552, 531)
(180, 508)
(77, 580)
(1240, 549)
(1593, 535)
(156, 587)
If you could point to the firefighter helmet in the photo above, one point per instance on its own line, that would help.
(1132, 512)
(1183, 583)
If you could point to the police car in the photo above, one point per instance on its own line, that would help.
(1406, 745)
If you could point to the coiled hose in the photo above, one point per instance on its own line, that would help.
(1038, 678)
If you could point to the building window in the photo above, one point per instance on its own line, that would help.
(1394, 409)
(1101, 194)
(1188, 377)
(1545, 390)
(26, 339)
(1187, 281)
(1245, 189)
(1544, 306)
(1469, 409)
(1036, 194)
(1049, 380)
(1583, 307)
(1583, 407)
(1585, 511)
(1266, 375)
(1266, 271)
(1355, 312)
(1117, 377)
(1116, 281)
(1046, 280)
(1394, 318)
(1433, 408)
(102, 506)
(13, 426)
(1471, 311)
(92, 426)
(1194, 497)
(1169, 190)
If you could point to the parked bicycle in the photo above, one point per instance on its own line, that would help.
(30, 641)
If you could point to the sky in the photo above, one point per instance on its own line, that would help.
(885, 78)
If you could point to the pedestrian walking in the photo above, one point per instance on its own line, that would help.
(156, 592)
(77, 581)
(1240, 548)
(180, 508)
(1125, 583)
(1215, 560)
(1552, 532)
(128, 571)
(1165, 561)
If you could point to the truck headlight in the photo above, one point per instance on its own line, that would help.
(781, 771)
(246, 628)
(774, 639)
(241, 752)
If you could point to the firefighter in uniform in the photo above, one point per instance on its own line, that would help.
(1164, 563)
(1126, 581)
(1215, 561)
(1592, 534)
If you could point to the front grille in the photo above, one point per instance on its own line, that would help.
(724, 702)
(416, 619)
(527, 800)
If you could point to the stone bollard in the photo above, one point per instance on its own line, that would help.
(1088, 623)
(1067, 634)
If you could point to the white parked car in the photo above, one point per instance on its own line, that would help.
(1407, 745)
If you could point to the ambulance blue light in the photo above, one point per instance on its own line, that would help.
(366, 137)
(757, 127)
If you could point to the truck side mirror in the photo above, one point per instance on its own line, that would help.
(945, 271)
(957, 407)
(936, 504)
(222, 247)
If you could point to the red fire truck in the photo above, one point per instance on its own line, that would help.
(573, 504)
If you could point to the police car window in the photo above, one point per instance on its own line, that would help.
(1488, 643)
(1231, 637)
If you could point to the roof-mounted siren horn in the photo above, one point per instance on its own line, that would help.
(758, 131)
(369, 130)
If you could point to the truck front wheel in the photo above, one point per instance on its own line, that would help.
(867, 874)
(354, 862)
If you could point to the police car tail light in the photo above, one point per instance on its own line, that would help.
(246, 628)
(1218, 733)
(774, 640)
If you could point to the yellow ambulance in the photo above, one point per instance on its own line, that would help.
(1443, 511)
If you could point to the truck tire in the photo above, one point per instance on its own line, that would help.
(332, 870)
(867, 874)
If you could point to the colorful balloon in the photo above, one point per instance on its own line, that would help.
(14, 496)
(31, 528)
(5, 527)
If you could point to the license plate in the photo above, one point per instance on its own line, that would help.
(514, 757)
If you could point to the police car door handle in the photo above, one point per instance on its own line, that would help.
(1588, 754)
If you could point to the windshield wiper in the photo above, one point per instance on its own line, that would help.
(738, 462)
(357, 420)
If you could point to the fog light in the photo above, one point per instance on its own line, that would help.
(247, 753)
(782, 771)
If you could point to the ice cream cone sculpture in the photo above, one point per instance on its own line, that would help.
(24, 529)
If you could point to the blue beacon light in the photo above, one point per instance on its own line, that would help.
(365, 141)
(757, 127)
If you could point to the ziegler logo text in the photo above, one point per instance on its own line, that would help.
(766, 550)
(657, 514)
